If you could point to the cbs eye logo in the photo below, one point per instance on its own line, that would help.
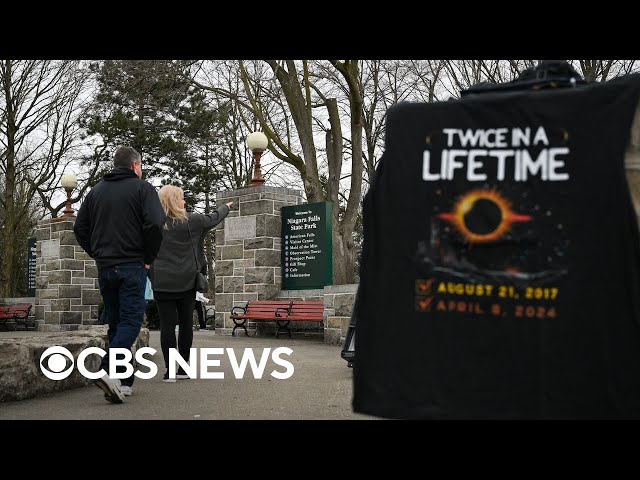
(56, 363)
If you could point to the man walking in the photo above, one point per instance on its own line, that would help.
(119, 225)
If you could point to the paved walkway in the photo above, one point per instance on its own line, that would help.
(320, 388)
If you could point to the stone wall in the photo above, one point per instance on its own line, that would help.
(67, 294)
(338, 306)
(248, 246)
(248, 265)
(307, 328)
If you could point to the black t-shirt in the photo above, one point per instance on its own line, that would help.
(500, 273)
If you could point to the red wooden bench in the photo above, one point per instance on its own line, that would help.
(18, 313)
(258, 310)
(281, 312)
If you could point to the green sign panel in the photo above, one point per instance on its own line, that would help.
(306, 246)
(31, 268)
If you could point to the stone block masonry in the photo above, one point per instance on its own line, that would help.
(67, 294)
(248, 249)
(248, 264)
(338, 307)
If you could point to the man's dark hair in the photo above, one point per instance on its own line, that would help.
(125, 157)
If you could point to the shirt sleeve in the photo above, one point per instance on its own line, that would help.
(210, 220)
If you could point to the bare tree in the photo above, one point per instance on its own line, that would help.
(296, 87)
(38, 133)
(295, 101)
(462, 74)
(222, 80)
(603, 70)
(235, 162)
(385, 83)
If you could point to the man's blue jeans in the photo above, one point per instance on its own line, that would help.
(122, 288)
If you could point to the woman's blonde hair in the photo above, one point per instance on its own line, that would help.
(170, 199)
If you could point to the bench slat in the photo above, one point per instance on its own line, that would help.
(303, 319)
(288, 311)
(267, 311)
(267, 302)
(256, 317)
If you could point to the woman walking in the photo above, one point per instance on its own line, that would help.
(173, 273)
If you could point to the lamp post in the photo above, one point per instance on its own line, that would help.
(69, 182)
(257, 143)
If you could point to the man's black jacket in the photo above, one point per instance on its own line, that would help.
(120, 220)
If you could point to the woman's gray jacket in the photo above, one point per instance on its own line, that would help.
(174, 269)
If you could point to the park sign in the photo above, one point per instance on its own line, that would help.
(306, 246)
(31, 268)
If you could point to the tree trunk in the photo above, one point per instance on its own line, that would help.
(342, 263)
(342, 236)
(10, 221)
(344, 258)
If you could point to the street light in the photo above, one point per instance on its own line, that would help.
(69, 182)
(257, 143)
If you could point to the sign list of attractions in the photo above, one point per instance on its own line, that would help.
(31, 275)
(306, 256)
(301, 248)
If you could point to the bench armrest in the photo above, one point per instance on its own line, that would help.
(287, 310)
(243, 309)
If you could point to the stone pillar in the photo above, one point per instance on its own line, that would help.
(248, 246)
(67, 294)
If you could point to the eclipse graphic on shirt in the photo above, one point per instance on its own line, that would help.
(483, 216)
